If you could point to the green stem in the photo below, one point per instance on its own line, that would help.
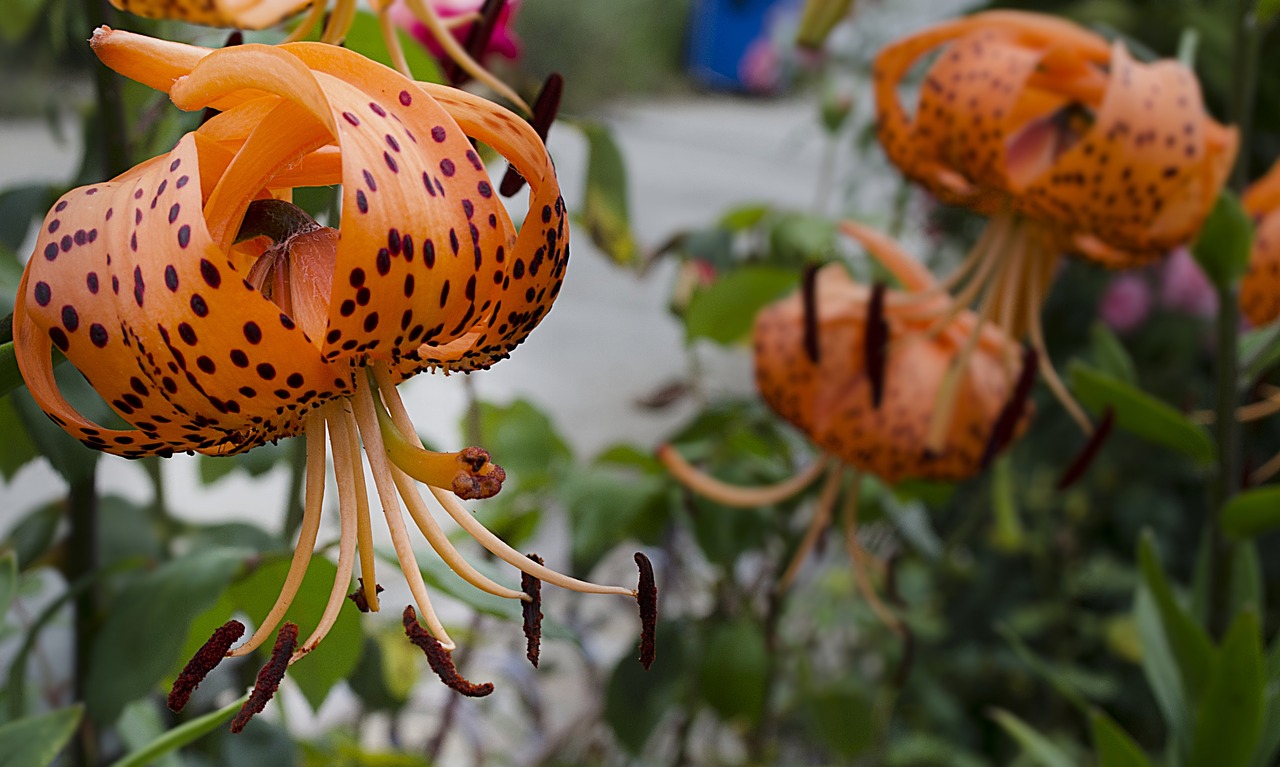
(113, 131)
(82, 559)
(1227, 430)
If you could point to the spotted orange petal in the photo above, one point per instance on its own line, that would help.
(242, 14)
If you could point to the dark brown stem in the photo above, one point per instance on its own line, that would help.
(82, 559)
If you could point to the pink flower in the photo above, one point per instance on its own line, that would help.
(761, 67)
(1126, 303)
(1184, 286)
(503, 42)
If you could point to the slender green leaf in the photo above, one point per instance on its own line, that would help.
(1225, 241)
(818, 19)
(1140, 413)
(724, 311)
(1037, 747)
(1269, 742)
(10, 376)
(1160, 668)
(141, 723)
(36, 741)
(1259, 350)
(146, 625)
(606, 210)
(1252, 512)
(842, 718)
(16, 449)
(1007, 531)
(1114, 746)
(1188, 641)
(1267, 10)
(1246, 580)
(8, 582)
(1110, 355)
(1229, 718)
(182, 735)
(1060, 683)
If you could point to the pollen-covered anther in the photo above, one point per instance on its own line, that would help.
(269, 677)
(876, 343)
(360, 599)
(545, 108)
(1090, 450)
(532, 587)
(440, 660)
(647, 598)
(204, 661)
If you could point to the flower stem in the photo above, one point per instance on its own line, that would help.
(1227, 429)
(82, 559)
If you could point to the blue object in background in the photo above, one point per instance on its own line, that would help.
(720, 32)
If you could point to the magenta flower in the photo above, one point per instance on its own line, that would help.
(1126, 303)
(1184, 286)
(503, 41)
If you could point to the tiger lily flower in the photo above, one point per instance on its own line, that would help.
(1260, 287)
(261, 14)
(1065, 141)
(213, 316)
(850, 366)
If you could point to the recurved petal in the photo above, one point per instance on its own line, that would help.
(422, 231)
(153, 62)
(128, 283)
(241, 14)
(1145, 174)
(1260, 288)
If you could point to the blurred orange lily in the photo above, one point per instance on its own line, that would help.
(1064, 140)
(1260, 288)
(812, 367)
(260, 14)
(214, 317)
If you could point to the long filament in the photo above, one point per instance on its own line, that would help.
(732, 495)
(1047, 371)
(367, 421)
(391, 37)
(314, 14)
(821, 521)
(342, 467)
(454, 507)
(313, 502)
(427, 15)
(858, 556)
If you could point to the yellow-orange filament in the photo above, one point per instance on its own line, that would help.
(821, 521)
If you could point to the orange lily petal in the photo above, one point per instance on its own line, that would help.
(241, 14)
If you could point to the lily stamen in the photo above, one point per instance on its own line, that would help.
(817, 526)
(733, 495)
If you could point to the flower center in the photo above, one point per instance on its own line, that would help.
(296, 270)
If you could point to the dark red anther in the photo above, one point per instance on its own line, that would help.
(647, 598)
(532, 613)
(875, 344)
(357, 596)
(545, 108)
(809, 298)
(439, 658)
(205, 660)
(1078, 467)
(477, 41)
(1012, 412)
(269, 677)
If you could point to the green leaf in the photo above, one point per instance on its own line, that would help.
(1060, 683)
(1252, 512)
(732, 671)
(1267, 10)
(1160, 668)
(842, 718)
(1229, 718)
(142, 723)
(8, 582)
(1259, 351)
(605, 506)
(1007, 532)
(606, 210)
(182, 735)
(1037, 747)
(1268, 744)
(35, 741)
(1140, 413)
(335, 657)
(1188, 641)
(16, 449)
(1110, 355)
(1246, 580)
(797, 239)
(146, 625)
(636, 701)
(365, 36)
(725, 311)
(10, 376)
(524, 441)
(818, 19)
(1114, 746)
(1225, 241)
